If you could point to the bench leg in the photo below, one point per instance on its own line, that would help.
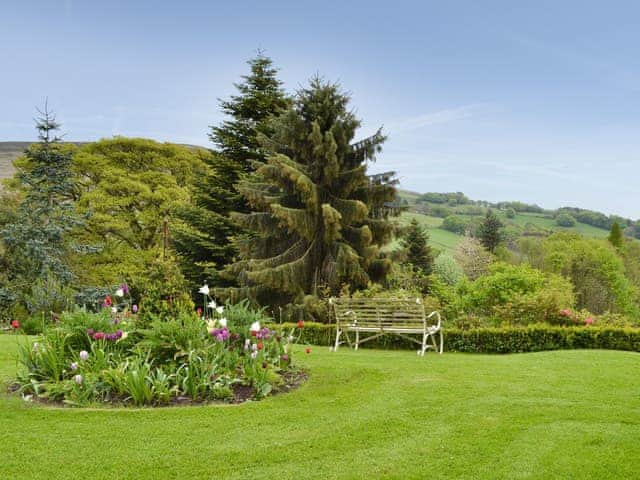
(357, 339)
(424, 344)
(441, 342)
(338, 333)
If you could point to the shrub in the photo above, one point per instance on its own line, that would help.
(596, 271)
(519, 295)
(447, 269)
(502, 340)
(455, 224)
(565, 220)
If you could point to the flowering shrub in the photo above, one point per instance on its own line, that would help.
(110, 357)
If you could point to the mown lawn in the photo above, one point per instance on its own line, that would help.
(367, 414)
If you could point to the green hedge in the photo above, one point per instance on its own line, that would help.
(497, 340)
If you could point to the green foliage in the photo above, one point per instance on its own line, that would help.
(319, 220)
(36, 238)
(418, 252)
(490, 231)
(447, 269)
(129, 189)
(455, 224)
(533, 338)
(615, 236)
(88, 357)
(565, 220)
(472, 257)
(204, 239)
(454, 198)
(596, 271)
(510, 213)
(518, 295)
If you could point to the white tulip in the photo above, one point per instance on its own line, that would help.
(119, 292)
(204, 289)
(220, 309)
(255, 327)
(114, 309)
(212, 304)
(223, 322)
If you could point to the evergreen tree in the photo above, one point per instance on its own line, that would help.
(490, 231)
(204, 240)
(615, 236)
(37, 243)
(419, 253)
(319, 220)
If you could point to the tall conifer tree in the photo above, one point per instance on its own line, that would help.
(38, 243)
(204, 239)
(491, 231)
(419, 253)
(319, 220)
(615, 235)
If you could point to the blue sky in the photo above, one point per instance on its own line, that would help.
(531, 101)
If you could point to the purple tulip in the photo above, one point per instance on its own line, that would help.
(74, 366)
(134, 308)
(125, 288)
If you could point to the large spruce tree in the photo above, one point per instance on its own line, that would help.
(204, 240)
(318, 219)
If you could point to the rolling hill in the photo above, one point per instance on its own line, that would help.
(542, 222)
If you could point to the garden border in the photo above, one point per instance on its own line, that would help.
(498, 340)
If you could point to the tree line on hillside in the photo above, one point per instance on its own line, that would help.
(456, 203)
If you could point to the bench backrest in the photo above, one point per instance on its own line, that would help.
(379, 312)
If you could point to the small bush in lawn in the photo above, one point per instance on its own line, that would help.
(107, 357)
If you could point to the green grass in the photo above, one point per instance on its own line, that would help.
(366, 414)
(442, 240)
(548, 223)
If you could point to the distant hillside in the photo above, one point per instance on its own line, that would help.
(448, 216)
(8, 152)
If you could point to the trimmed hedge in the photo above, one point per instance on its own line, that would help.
(497, 340)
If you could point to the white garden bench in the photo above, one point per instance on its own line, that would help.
(379, 316)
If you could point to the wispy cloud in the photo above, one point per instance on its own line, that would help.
(434, 118)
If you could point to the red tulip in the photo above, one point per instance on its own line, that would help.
(107, 301)
(588, 321)
(15, 324)
(300, 324)
(260, 346)
(308, 350)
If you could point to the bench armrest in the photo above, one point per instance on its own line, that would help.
(438, 325)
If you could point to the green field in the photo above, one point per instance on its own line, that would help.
(365, 414)
(446, 241)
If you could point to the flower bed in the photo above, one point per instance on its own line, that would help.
(106, 357)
